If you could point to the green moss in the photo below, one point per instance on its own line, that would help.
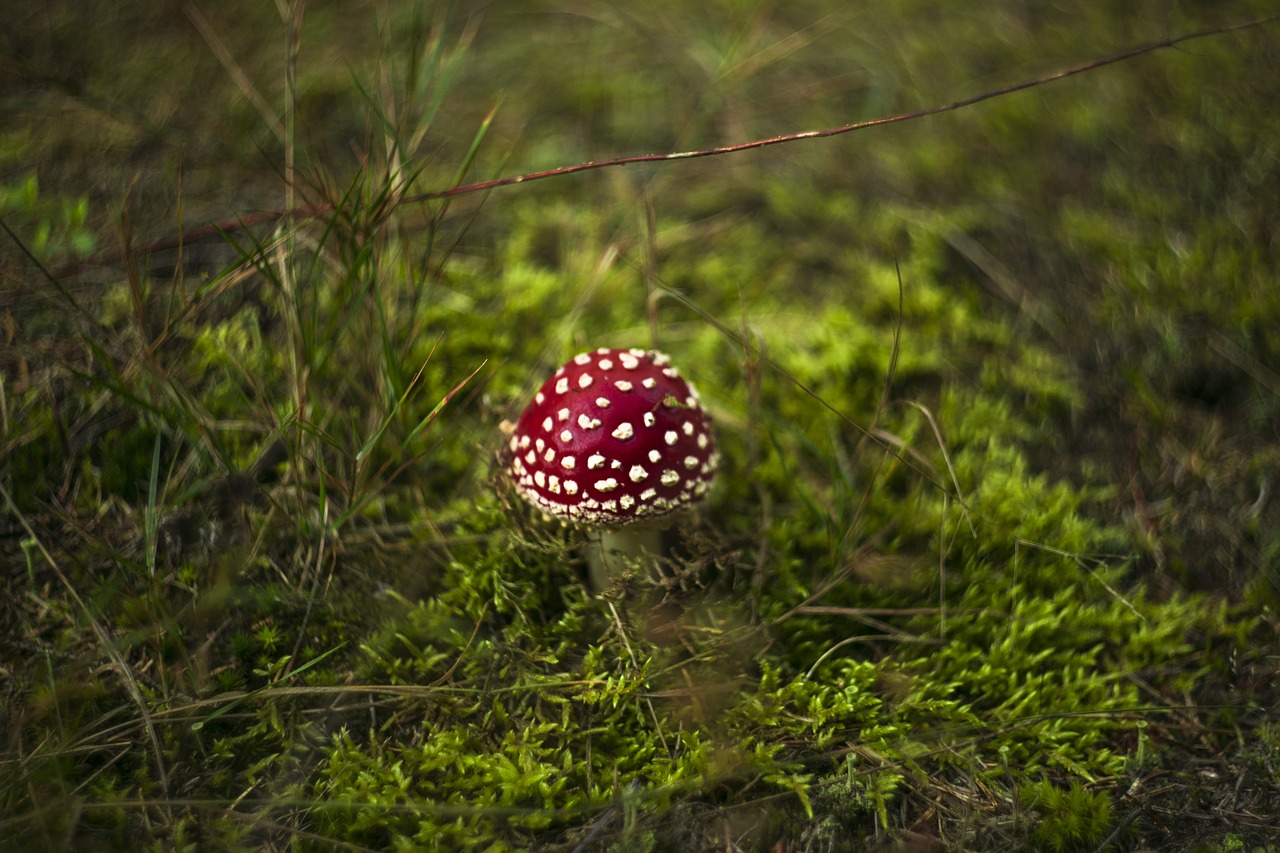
(1069, 819)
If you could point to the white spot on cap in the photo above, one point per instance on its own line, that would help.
(582, 358)
(691, 462)
(514, 444)
(553, 484)
(624, 431)
(546, 424)
(627, 501)
(670, 437)
(562, 385)
(605, 364)
(655, 455)
(617, 463)
(650, 419)
(568, 461)
(609, 506)
(638, 474)
(550, 455)
(649, 382)
(539, 398)
(603, 402)
(595, 461)
(647, 494)
(562, 415)
(571, 487)
(524, 442)
(588, 422)
(606, 485)
(669, 478)
(623, 385)
(585, 380)
(539, 478)
(540, 445)
(566, 435)
(629, 360)
(702, 440)
(687, 427)
(530, 457)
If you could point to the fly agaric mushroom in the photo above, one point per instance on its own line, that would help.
(614, 441)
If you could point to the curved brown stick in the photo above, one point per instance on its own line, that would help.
(244, 221)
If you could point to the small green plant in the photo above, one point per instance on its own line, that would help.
(49, 227)
(1066, 819)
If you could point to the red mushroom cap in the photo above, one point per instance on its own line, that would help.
(614, 436)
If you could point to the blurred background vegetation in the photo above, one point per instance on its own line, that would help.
(993, 560)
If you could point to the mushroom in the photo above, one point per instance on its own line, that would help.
(614, 441)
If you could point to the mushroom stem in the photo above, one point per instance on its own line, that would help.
(614, 550)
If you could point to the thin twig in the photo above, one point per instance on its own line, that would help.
(849, 128)
(239, 223)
